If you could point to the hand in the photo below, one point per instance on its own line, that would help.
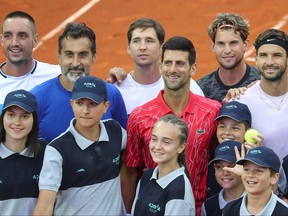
(116, 74)
(238, 169)
(259, 141)
(233, 94)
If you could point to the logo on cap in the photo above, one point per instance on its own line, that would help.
(89, 85)
(256, 151)
(231, 106)
(20, 95)
(224, 148)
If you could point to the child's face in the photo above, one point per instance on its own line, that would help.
(229, 129)
(225, 179)
(257, 180)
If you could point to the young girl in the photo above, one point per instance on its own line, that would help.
(21, 154)
(166, 189)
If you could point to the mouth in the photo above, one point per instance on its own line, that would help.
(15, 50)
(173, 77)
(251, 182)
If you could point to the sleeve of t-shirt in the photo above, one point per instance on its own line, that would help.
(135, 198)
(179, 207)
(124, 139)
(51, 172)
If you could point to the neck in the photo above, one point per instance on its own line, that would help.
(274, 88)
(255, 203)
(177, 100)
(165, 169)
(233, 193)
(66, 83)
(15, 145)
(17, 70)
(91, 133)
(146, 74)
(233, 76)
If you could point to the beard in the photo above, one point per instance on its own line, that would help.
(277, 76)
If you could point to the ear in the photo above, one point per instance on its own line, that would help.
(274, 179)
(106, 106)
(128, 49)
(212, 46)
(71, 103)
(193, 70)
(35, 40)
(246, 44)
(181, 148)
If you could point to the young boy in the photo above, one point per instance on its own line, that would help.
(234, 120)
(232, 187)
(260, 172)
(81, 166)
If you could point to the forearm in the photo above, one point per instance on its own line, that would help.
(45, 203)
(128, 186)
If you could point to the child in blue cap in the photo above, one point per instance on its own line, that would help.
(232, 187)
(260, 173)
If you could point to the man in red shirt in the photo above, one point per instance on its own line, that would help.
(177, 66)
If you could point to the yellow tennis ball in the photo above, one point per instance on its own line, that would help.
(248, 135)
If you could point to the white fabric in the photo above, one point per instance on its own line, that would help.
(270, 122)
(135, 94)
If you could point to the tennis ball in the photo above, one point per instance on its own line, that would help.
(248, 135)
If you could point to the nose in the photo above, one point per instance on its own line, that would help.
(75, 61)
(14, 40)
(227, 48)
(85, 109)
(17, 121)
(270, 60)
(143, 45)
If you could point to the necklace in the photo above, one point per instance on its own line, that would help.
(267, 99)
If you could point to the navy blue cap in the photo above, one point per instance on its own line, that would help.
(90, 87)
(225, 151)
(237, 111)
(262, 156)
(22, 99)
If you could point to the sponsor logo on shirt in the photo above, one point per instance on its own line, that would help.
(200, 131)
(154, 208)
(116, 160)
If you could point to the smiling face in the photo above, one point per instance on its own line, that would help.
(18, 124)
(225, 179)
(76, 58)
(229, 48)
(271, 61)
(176, 70)
(144, 47)
(18, 40)
(258, 180)
(229, 129)
(165, 145)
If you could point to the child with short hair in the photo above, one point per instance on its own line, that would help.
(260, 172)
(232, 187)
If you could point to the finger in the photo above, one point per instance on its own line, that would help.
(248, 146)
(243, 151)
(237, 153)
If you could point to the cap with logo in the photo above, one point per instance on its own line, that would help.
(90, 87)
(237, 111)
(22, 99)
(262, 156)
(225, 151)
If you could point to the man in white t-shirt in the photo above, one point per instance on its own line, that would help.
(21, 70)
(145, 37)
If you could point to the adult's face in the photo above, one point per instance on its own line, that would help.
(18, 40)
(229, 48)
(76, 58)
(176, 70)
(144, 47)
(271, 62)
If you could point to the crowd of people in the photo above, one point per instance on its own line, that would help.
(150, 142)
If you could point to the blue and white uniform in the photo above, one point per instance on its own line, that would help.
(19, 177)
(169, 195)
(85, 174)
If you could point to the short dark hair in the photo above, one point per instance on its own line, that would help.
(21, 14)
(270, 33)
(75, 31)
(228, 21)
(182, 44)
(32, 142)
(145, 23)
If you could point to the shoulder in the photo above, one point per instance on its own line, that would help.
(45, 85)
(207, 78)
(232, 207)
(207, 102)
